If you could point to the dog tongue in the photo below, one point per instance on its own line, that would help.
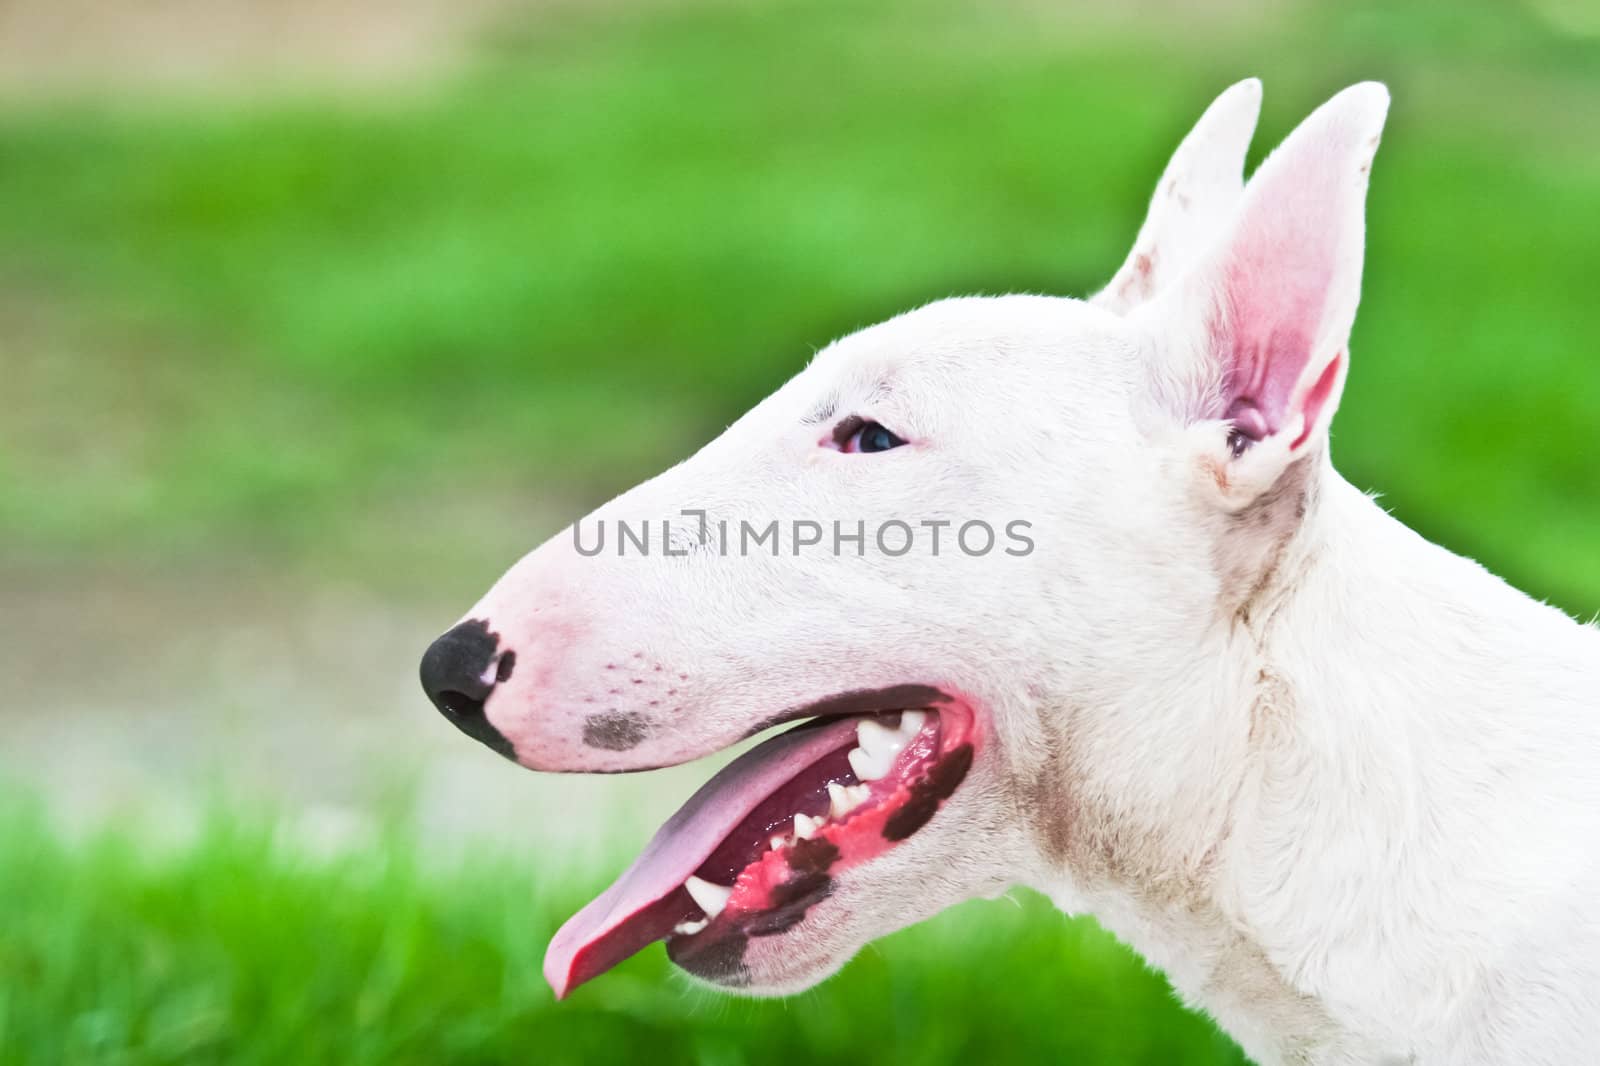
(644, 904)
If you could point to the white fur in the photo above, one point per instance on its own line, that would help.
(1341, 785)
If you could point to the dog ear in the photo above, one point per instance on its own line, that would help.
(1193, 200)
(1265, 318)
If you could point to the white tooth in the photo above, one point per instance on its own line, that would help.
(870, 766)
(709, 897)
(841, 800)
(858, 795)
(871, 734)
(861, 763)
(691, 928)
(911, 723)
(806, 827)
(777, 840)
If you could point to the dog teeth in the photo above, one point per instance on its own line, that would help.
(877, 745)
(875, 737)
(709, 897)
(868, 767)
(691, 928)
(877, 748)
(843, 799)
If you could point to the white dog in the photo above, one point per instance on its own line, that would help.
(1155, 656)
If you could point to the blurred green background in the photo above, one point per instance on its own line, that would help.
(313, 316)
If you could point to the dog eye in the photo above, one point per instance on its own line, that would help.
(871, 437)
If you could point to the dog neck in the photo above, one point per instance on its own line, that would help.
(1302, 845)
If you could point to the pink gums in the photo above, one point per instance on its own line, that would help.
(859, 837)
(946, 741)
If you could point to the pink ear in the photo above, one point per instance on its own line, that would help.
(1282, 291)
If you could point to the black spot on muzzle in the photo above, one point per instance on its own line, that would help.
(615, 730)
(453, 672)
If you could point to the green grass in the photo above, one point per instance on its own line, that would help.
(240, 948)
(612, 234)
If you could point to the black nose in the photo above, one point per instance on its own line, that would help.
(459, 670)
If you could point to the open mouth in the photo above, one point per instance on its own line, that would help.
(761, 843)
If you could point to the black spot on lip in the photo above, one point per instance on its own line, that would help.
(791, 900)
(805, 890)
(615, 730)
(913, 815)
(812, 856)
(950, 772)
(720, 960)
(927, 793)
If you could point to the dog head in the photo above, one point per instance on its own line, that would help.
(955, 546)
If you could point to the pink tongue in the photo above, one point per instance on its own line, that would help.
(644, 904)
